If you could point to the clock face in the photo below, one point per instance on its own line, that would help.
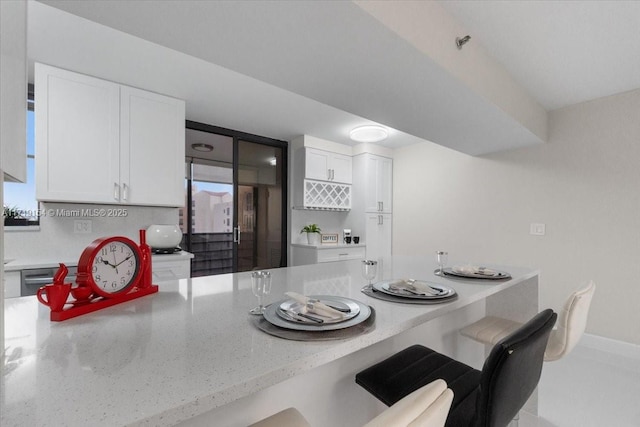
(115, 266)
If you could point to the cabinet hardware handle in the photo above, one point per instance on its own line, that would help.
(116, 191)
(379, 219)
(236, 235)
(343, 254)
(382, 206)
(125, 192)
(328, 174)
(333, 174)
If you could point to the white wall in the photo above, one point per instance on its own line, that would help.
(583, 184)
(56, 240)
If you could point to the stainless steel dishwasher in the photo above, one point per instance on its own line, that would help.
(33, 278)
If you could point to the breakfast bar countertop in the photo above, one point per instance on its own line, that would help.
(49, 262)
(191, 348)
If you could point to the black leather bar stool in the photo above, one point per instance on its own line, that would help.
(491, 397)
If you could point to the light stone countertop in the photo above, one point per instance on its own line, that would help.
(50, 262)
(190, 348)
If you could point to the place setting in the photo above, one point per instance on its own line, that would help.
(467, 271)
(405, 291)
(309, 318)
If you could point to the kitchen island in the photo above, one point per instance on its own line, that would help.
(190, 355)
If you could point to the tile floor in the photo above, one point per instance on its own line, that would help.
(588, 388)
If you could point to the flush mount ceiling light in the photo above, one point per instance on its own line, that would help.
(273, 161)
(205, 148)
(370, 133)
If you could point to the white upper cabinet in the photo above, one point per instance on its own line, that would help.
(77, 137)
(101, 142)
(376, 182)
(327, 166)
(13, 87)
(152, 148)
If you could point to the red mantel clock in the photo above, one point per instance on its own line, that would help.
(111, 270)
(111, 266)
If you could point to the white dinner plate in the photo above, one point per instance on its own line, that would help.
(296, 307)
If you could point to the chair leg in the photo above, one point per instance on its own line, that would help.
(514, 421)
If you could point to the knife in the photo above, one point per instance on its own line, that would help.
(296, 315)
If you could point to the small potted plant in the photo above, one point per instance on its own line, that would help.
(313, 234)
(13, 216)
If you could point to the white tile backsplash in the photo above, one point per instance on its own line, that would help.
(56, 238)
(328, 221)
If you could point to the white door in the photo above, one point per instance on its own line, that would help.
(77, 137)
(378, 235)
(153, 150)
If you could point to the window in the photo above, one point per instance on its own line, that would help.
(20, 198)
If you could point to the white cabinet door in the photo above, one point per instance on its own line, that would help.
(379, 183)
(323, 165)
(341, 168)
(317, 165)
(77, 137)
(152, 148)
(170, 270)
(378, 234)
(12, 284)
(13, 87)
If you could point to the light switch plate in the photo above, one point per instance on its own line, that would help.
(537, 229)
(82, 226)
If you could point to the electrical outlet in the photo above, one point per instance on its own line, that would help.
(537, 229)
(82, 226)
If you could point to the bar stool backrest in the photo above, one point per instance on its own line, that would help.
(511, 372)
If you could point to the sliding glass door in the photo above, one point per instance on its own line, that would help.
(260, 206)
(233, 218)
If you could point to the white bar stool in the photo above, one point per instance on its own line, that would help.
(426, 407)
(572, 321)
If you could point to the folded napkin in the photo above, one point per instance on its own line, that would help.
(472, 269)
(314, 307)
(415, 286)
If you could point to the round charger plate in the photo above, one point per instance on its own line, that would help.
(339, 334)
(383, 287)
(373, 293)
(272, 317)
(296, 307)
(500, 276)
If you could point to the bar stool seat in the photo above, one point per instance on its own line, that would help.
(572, 322)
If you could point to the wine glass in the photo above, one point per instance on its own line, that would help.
(260, 285)
(369, 271)
(441, 257)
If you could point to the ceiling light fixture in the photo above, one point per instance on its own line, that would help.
(462, 41)
(273, 161)
(369, 133)
(205, 148)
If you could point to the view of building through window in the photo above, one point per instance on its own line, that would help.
(22, 196)
(211, 208)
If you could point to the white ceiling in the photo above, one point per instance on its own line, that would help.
(332, 57)
(561, 52)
